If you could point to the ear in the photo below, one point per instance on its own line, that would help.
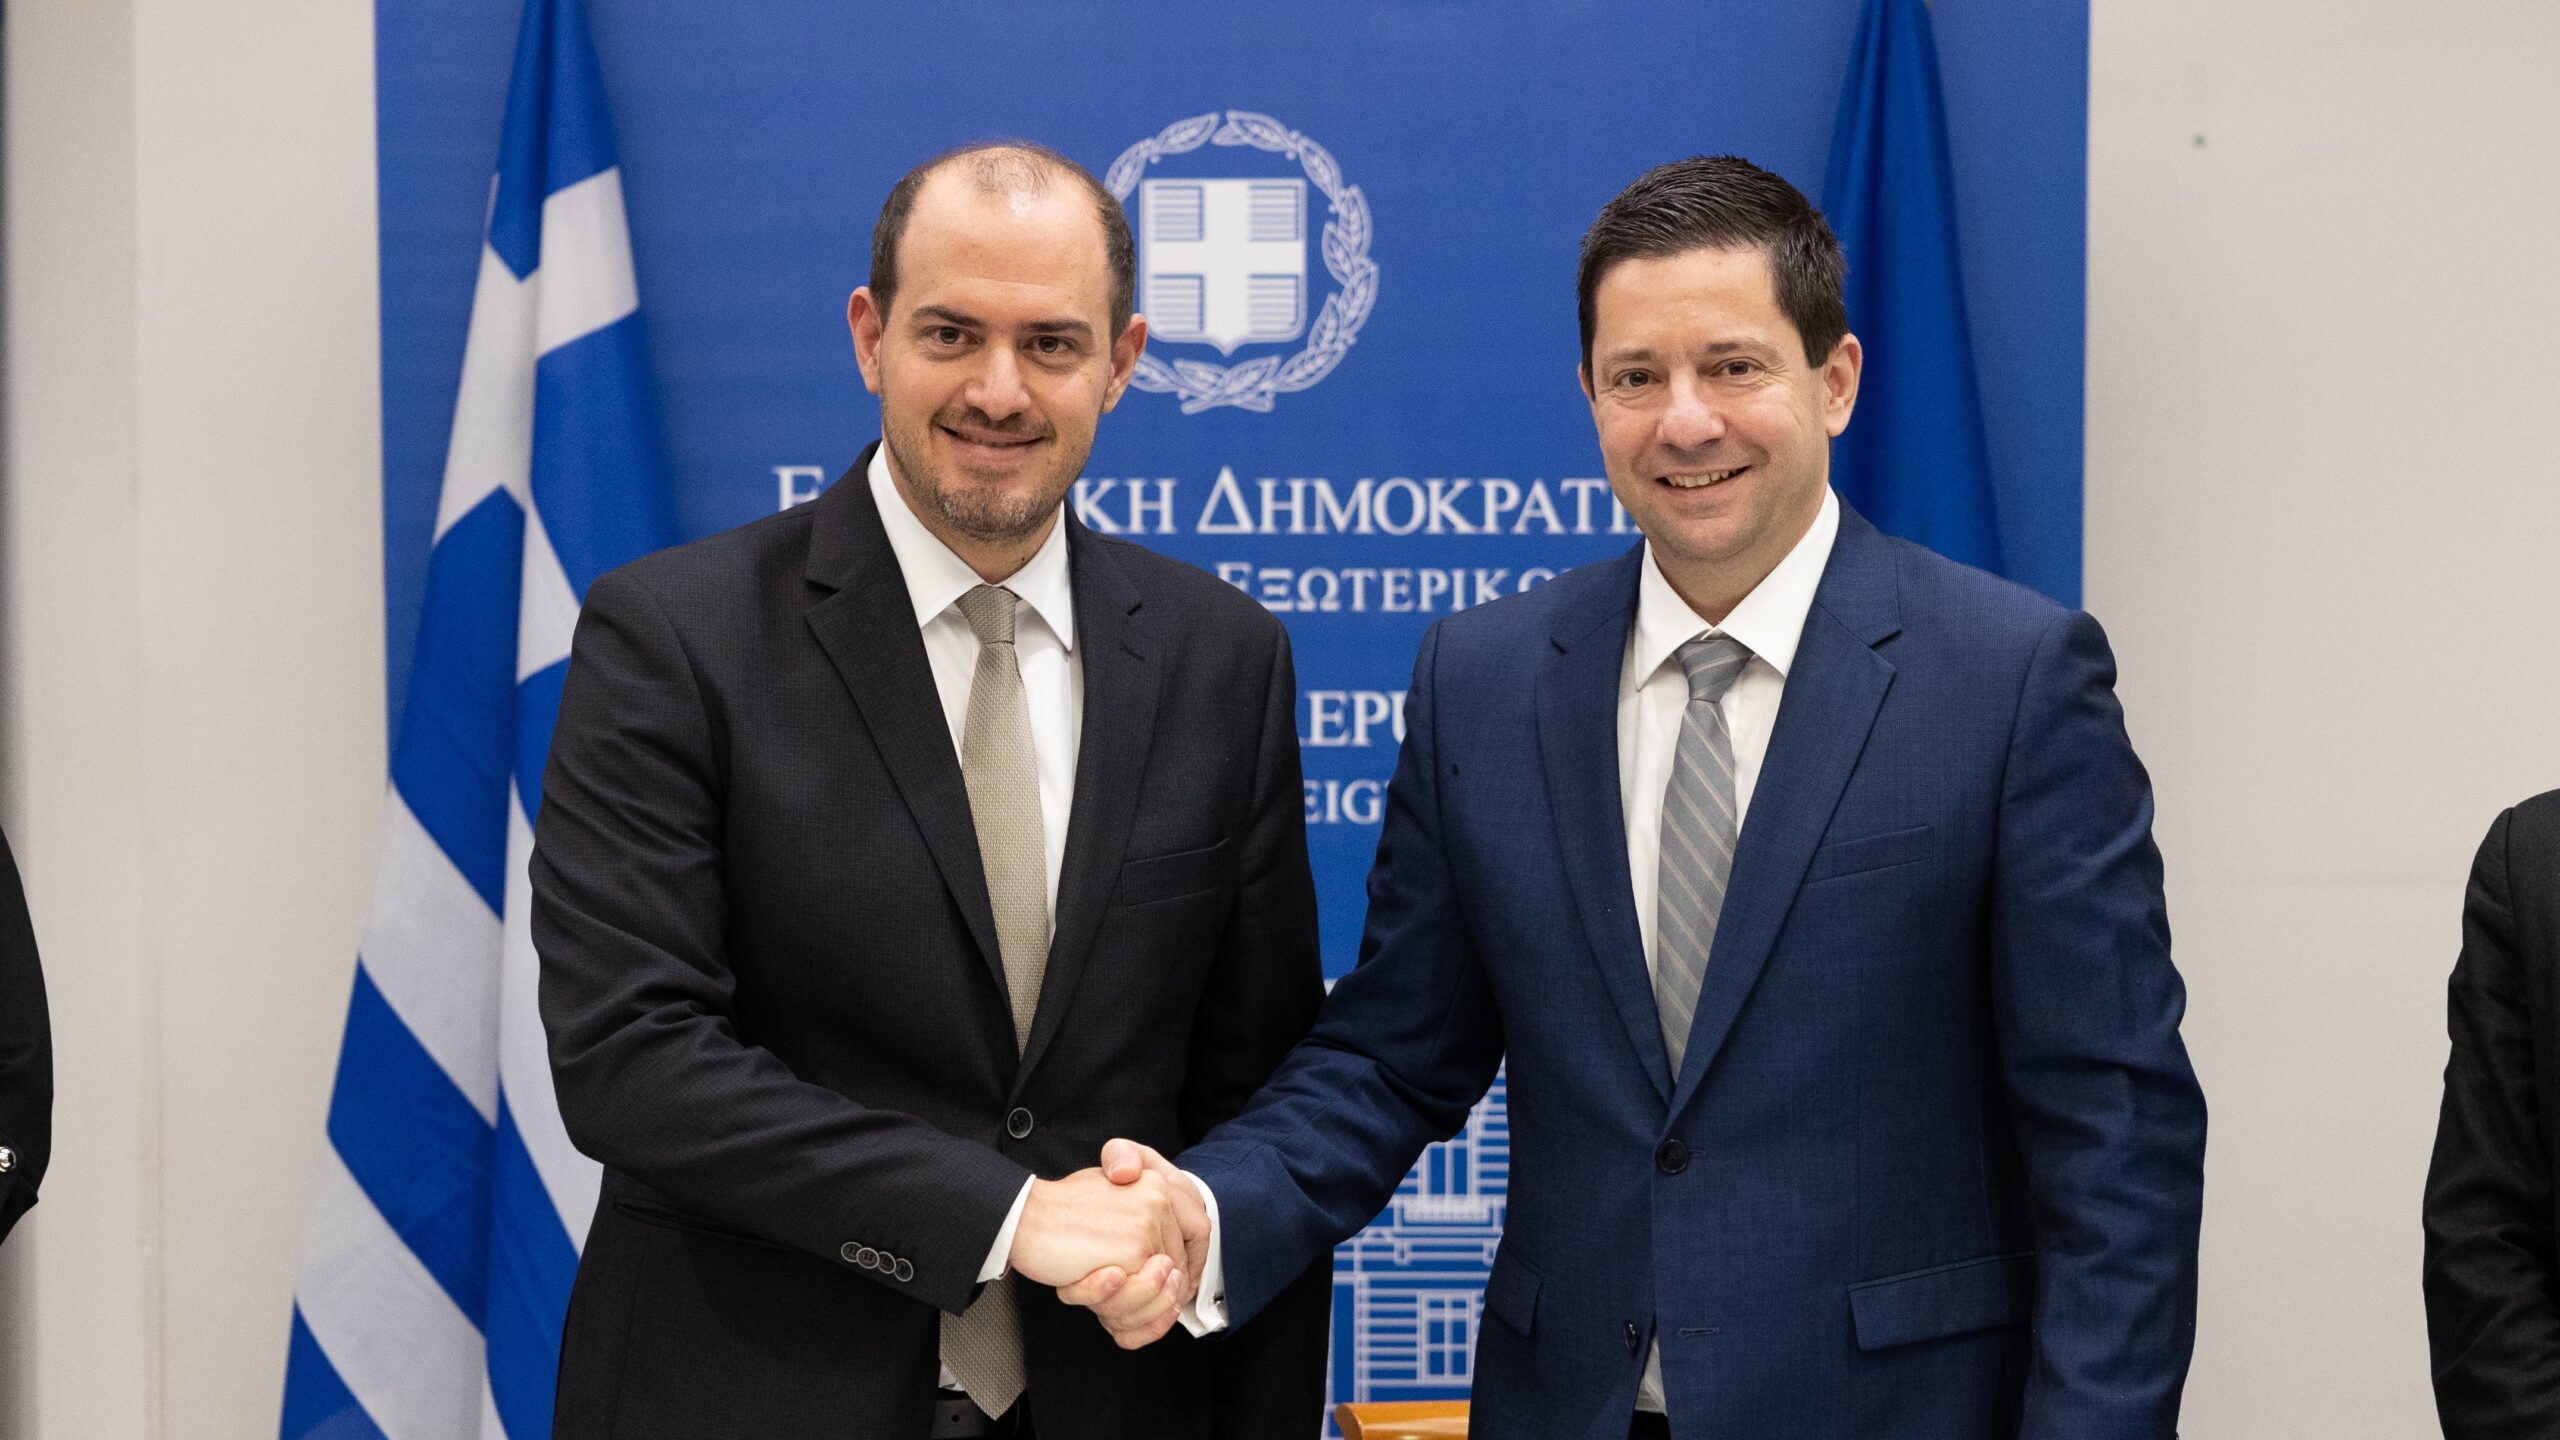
(862, 316)
(1124, 359)
(1840, 383)
(1582, 373)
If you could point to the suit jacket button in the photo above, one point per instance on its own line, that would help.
(906, 1270)
(1635, 1339)
(1018, 1124)
(1672, 1158)
(867, 1258)
(8, 1159)
(851, 1252)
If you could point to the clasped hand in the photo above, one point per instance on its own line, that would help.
(1125, 1239)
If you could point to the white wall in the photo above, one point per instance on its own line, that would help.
(2324, 531)
(192, 631)
(2323, 521)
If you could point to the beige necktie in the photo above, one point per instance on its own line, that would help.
(983, 1347)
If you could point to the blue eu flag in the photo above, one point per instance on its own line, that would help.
(1915, 459)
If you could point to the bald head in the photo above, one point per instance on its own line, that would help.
(1000, 170)
(1008, 170)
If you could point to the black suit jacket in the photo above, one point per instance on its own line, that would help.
(2492, 1266)
(26, 1052)
(777, 1013)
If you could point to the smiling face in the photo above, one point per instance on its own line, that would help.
(994, 361)
(1715, 429)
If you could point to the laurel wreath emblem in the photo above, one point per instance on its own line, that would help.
(1254, 384)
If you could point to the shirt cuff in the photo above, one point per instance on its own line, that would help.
(1002, 1250)
(1207, 1312)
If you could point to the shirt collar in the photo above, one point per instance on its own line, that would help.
(1768, 622)
(936, 578)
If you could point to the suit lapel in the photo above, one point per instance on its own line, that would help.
(1578, 748)
(868, 629)
(1833, 692)
(1120, 681)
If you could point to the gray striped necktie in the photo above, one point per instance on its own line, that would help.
(983, 1346)
(1699, 826)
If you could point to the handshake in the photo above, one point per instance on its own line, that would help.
(1125, 1240)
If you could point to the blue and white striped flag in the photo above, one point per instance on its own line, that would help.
(450, 1206)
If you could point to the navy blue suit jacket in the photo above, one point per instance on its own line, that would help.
(1932, 1168)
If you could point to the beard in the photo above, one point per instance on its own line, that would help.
(988, 511)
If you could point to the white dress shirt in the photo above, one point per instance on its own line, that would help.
(1044, 645)
(1653, 691)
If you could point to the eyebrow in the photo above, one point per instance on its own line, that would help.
(945, 315)
(1646, 353)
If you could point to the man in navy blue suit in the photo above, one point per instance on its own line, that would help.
(1805, 880)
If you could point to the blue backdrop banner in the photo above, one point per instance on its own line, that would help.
(1357, 225)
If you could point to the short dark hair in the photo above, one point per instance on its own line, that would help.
(1008, 167)
(1724, 202)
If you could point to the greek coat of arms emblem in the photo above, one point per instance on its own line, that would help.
(1223, 262)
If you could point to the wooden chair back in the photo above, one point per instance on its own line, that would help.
(1403, 1420)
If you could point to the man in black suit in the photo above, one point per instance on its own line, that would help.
(26, 1053)
(895, 852)
(2493, 1237)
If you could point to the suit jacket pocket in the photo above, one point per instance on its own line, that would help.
(1511, 1295)
(1943, 1300)
(1170, 877)
(1861, 853)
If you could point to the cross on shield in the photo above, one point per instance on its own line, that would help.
(1224, 261)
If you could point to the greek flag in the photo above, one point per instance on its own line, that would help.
(450, 1206)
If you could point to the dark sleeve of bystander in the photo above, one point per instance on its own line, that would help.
(2492, 1261)
(26, 1053)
